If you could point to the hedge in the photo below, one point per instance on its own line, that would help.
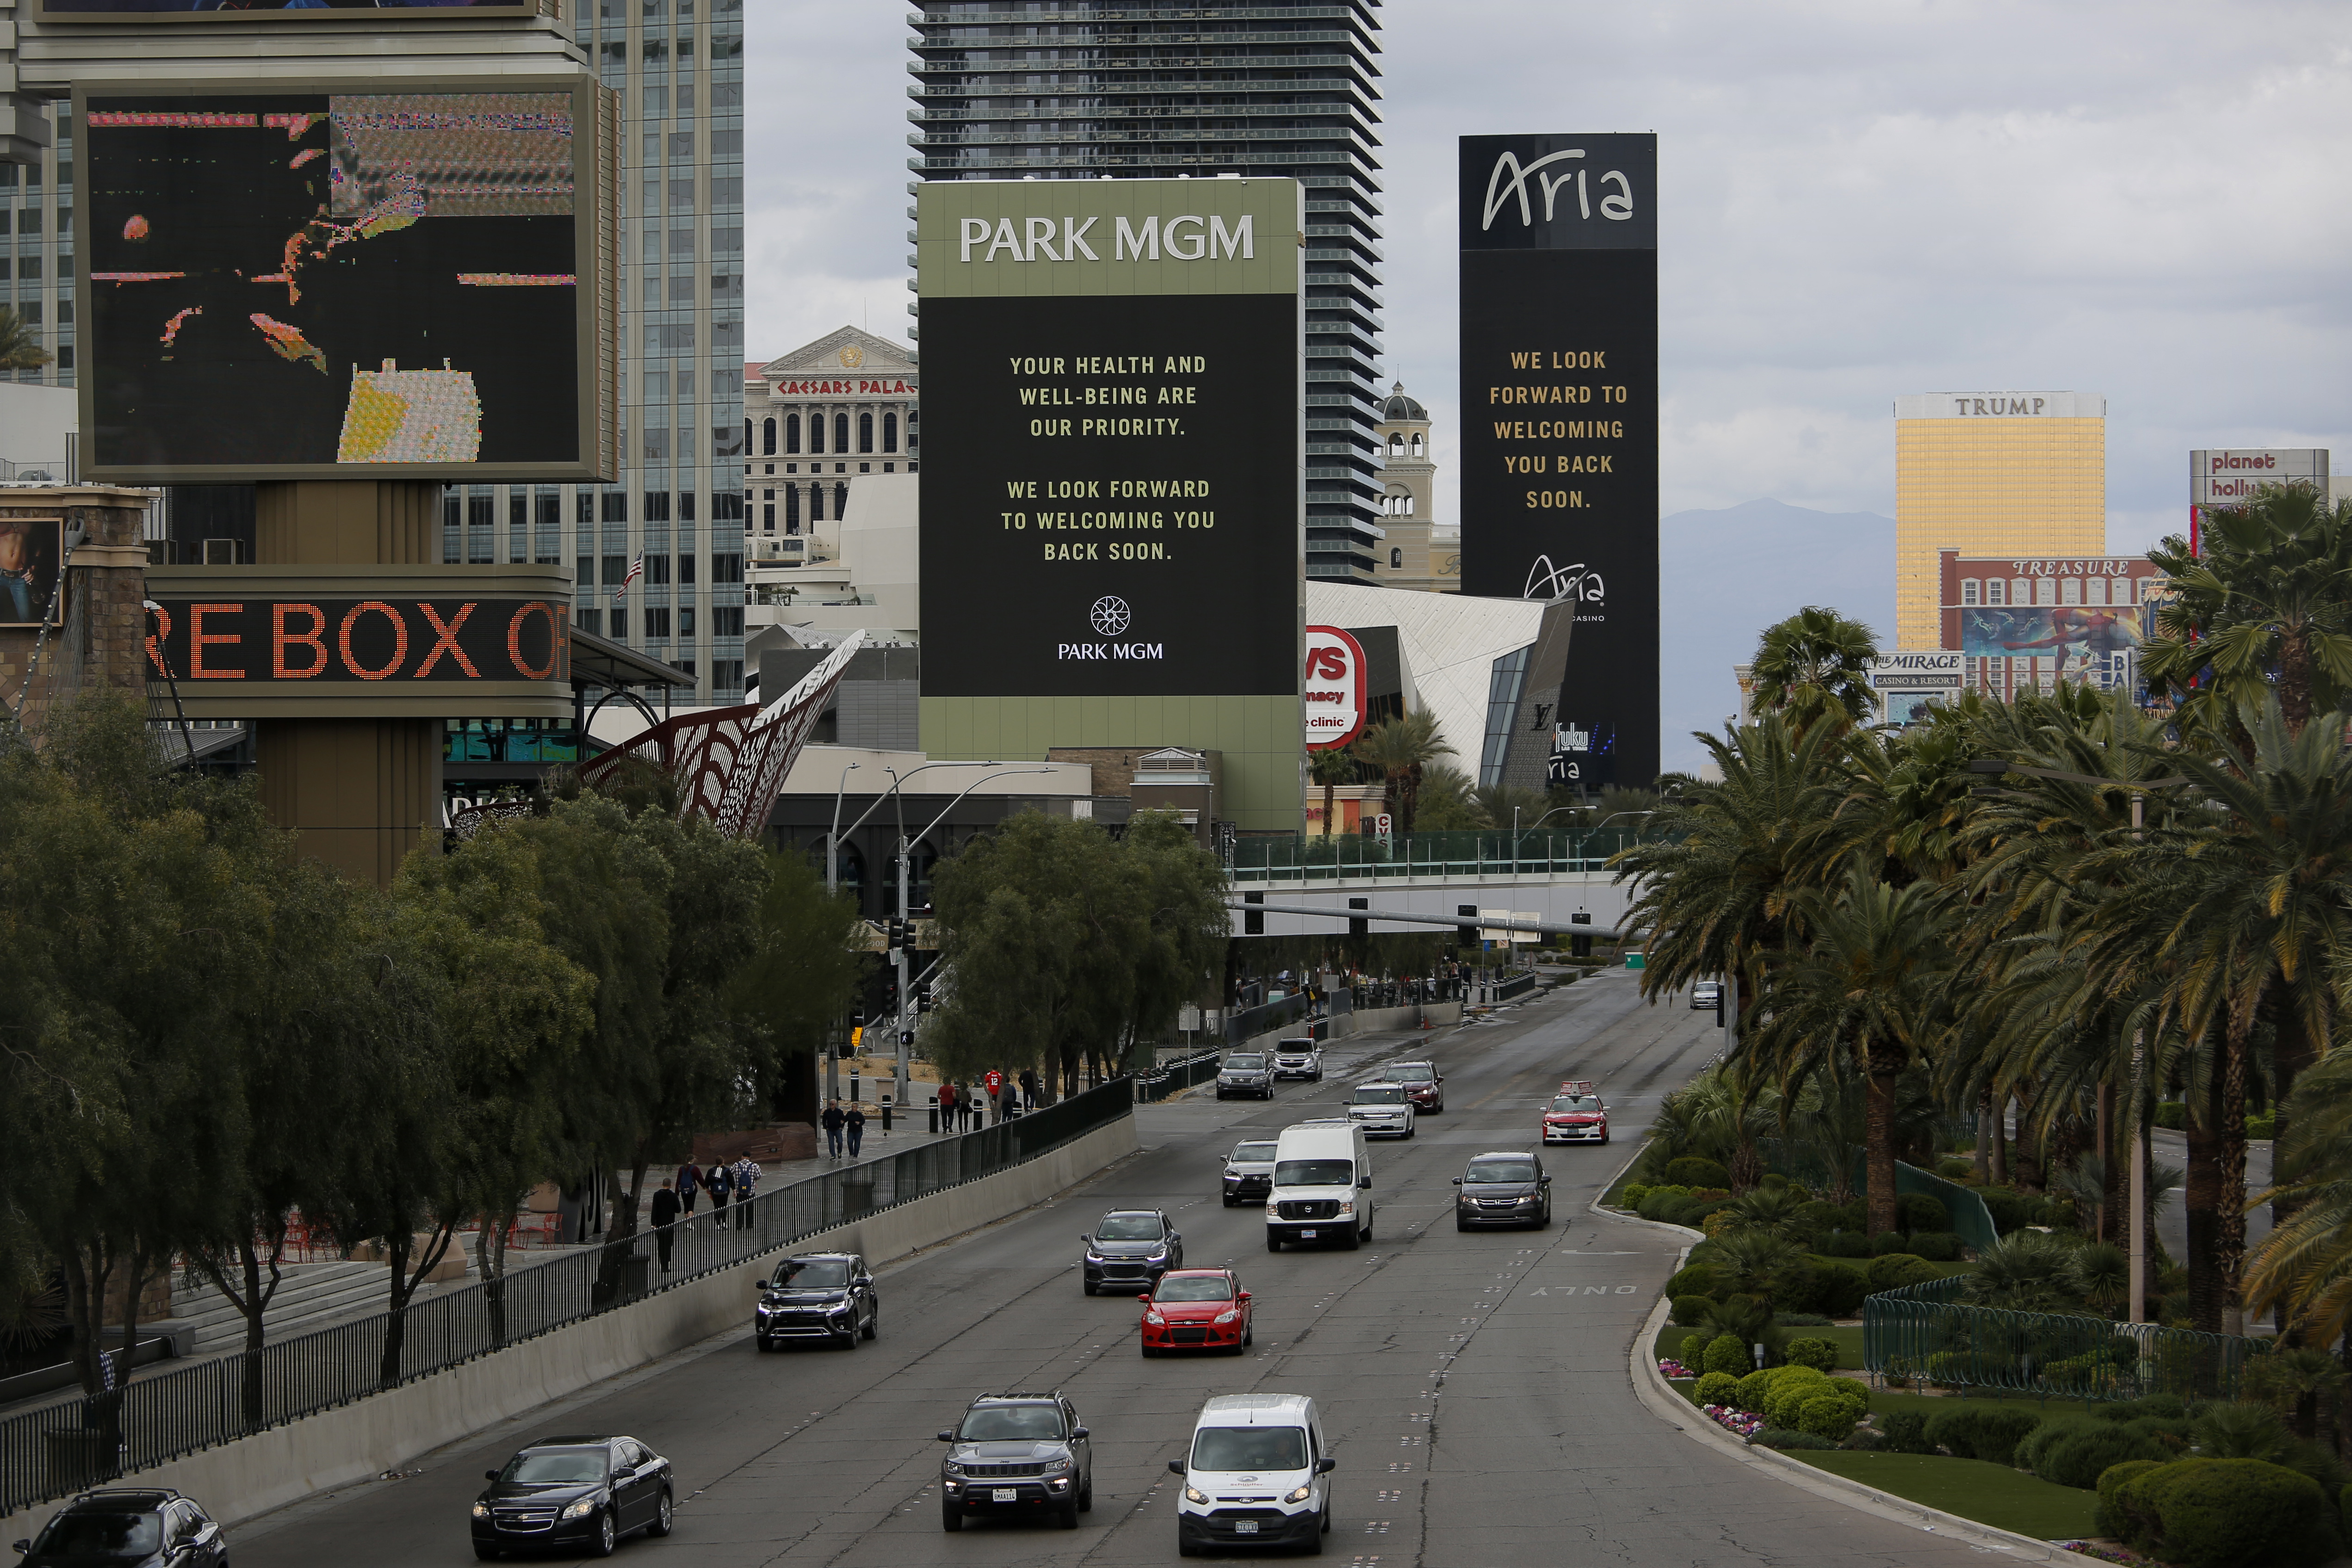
(2226, 1513)
(1922, 1212)
(1831, 1416)
(1697, 1170)
(1935, 1246)
(1691, 1279)
(1842, 1244)
(1820, 1354)
(2073, 1451)
(1715, 1388)
(1725, 1353)
(1691, 1311)
(1899, 1268)
(1907, 1432)
(2110, 1519)
(1788, 1394)
(1975, 1430)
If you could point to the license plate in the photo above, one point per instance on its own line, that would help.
(1245, 1527)
(1004, 1494)
(1306, 1236)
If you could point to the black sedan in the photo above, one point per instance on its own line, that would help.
(128, 1529)
(1503, 1189)
(828, 1297)
(573, 1494)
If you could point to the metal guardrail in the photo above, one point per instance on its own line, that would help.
(1173, 1077)
(1352, 857)
(1518, 986)
(57, 1450)
(1922, 1332)
(1248, 1023)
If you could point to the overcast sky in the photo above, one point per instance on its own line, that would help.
(2149, 201)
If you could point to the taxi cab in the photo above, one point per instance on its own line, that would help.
(1576, 1116)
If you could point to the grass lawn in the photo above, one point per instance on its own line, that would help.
(1973, 1488)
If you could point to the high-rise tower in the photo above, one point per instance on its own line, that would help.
(1080, 89)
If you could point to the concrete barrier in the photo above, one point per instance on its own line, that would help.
(383, 1432)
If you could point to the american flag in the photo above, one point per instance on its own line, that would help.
(636, 571)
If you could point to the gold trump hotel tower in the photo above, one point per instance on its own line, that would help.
(1993, 474)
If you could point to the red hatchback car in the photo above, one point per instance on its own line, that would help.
(1196, 1309)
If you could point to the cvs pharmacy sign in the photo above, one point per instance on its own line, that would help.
(1336, 690)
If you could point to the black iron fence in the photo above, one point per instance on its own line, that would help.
(1176, 1075)
(1922, 1332)
(57, 1450)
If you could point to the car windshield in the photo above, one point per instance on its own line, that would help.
(1128, 1228)
(1576, 1103)
(549, 1466)
(1486, 1171)
(1296, 1048)
(1245, 1063)
(1249, 1448)
(1413, 1072)
(813, 1274)
(1012, 1423)
(1315, 1173)
(1195, 1288)
(1253, 1153)
(101, 1535)
(1383, 1096)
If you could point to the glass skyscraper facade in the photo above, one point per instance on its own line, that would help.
(37, 252)
(678, 68)
(1080, 89)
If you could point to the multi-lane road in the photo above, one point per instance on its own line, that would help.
(1474, 1386)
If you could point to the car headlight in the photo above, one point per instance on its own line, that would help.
(582, 1509)
(952, 1467)
(1159, 1257)
(1301, 1495)
(837, 1310)
(1272, 1212)
(1153, 1318)
(1347, 1206)
(1056, 1468)
(1194, 1494)
(481, 1510)
(1230, 1315)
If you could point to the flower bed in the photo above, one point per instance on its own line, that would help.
(1673, 1371)
(1738, 1423)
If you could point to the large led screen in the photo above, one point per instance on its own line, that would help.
(1560, 412)
(2076, 634)
(306, 285)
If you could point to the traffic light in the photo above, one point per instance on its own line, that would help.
(1580, 946)
(922, 995)
(895, 933)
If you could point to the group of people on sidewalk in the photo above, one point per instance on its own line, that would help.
(723, 1183)
(838, 1122)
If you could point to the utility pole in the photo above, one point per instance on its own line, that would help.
(905, 991)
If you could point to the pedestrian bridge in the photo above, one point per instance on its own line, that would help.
(1540, 879)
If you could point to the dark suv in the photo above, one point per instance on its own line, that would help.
(824, 1296)
(129, 1529)
(1129, 1249)
(1017, 1454)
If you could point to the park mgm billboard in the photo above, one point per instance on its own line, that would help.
(1114, 504)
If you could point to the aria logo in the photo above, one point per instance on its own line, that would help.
(1110, 616)
(1617, 206)
(1578, 581)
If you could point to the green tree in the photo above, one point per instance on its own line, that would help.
(2265, 606)
(1331, 765)
(2305, 1264)
(20, 346)
(1815, 661)
(800, 979)
(1448, 801)
(1401, 748)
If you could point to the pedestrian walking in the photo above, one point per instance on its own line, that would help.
(747, 1182)
(665, 1203)
(855, 1124)
(689, 1182)
(1009, 1106)
(833, 1119)
(947, 1108)
(1028, 1089)
(720, 1182)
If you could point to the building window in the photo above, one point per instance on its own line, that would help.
(816, 432)
(792, 508)
(1416, 444)
(2045, 590)
(889, 434)
(2095, 591)
(1969, 590)
(865, 432)
(840, 502)
(614, 565)
(816, 503)
(686, 620)
(590, 620)
(1995, 592)
(727, 621)
(1396, 444)
(767, 436)
(726, 567)
(768, 516)
(2070, 590)
(841, 432)
(791, 433)
(1504, 679)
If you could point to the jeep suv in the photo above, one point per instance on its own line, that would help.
(1017, 1455)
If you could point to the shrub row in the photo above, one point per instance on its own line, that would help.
(2218, 1513)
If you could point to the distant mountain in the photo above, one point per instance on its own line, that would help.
(1726, 575)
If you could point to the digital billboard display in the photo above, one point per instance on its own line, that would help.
(2070, 634)
(1559, 409)
(344, 284)
(1112, 498)
(30, 552)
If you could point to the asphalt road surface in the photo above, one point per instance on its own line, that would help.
(1474, 1386)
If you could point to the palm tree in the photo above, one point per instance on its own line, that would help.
(1753, 1262)
(1400, 748)
(1814, 661)
(20, 346)
(1447, 801)
(2305, 1264)
(1331, 765)
(2266, 603)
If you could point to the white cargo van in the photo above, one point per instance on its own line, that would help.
(1253, 1475)
(1322, 1185)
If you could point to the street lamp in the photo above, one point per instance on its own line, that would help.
(2138, 1185)
(833, 839)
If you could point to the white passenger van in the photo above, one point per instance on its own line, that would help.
(1253, 1475)
(1322, 1185)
